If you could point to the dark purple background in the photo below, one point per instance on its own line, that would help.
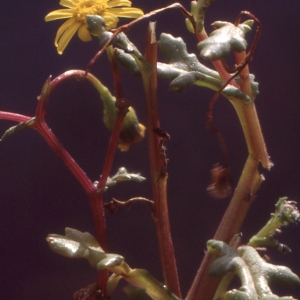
(40, 196)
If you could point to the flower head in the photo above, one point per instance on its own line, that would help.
(76, 12)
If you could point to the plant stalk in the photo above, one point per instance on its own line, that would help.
(204, 287)
(158, 167)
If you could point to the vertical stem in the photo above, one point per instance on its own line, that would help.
(122, 106)
(249, 120)
(96, 200)
(111, 151)
(158, 168)
(204, 286)
(97, 207)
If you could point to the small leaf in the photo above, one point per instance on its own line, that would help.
(96, 24)
(77, 244)
(128, 62)
(132, 131)
(174, 52)
(16, 128)
(45, 91)
(225, 39)
(142, 279)
(134, 293)
(181, 82)
(121, 175)
(286, 213)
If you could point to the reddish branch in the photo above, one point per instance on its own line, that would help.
(158, 167)
(96, 199)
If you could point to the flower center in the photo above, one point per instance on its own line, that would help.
(89, 7)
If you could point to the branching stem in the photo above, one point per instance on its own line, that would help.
(204, 286)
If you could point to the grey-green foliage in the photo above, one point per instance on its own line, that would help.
(121, 175)
(77, 244)
(179, 66)
(285, 213)
(254, 272)
(185, 69)
(224, 40)
(198, 10)
(16, 128)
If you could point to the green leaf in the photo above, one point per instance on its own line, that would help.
(132, 131)
(286, 213)
(77, 244)
(44, 97)
(225, 39)
(184, 69)
(174, 52)
(96, 24)
(254, 272)
(134, 293)
(16, 128)
(198, 10)
(121, 175)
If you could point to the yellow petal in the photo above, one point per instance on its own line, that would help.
(111, 20)
(84, 34)
(59, 14)
(114, 3)
(126, 12)
(62, 29)
(67, 3)
(66, 37)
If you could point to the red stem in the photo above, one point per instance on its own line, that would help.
(158, 169)
(122, 106)
(64, 155)
(5, 115)
(111, 151)
(96, 202)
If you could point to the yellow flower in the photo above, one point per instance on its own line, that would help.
(76, 12)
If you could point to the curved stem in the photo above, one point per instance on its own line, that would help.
(64, 155)
(96, 202)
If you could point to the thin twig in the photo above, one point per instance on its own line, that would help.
(115, 204)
